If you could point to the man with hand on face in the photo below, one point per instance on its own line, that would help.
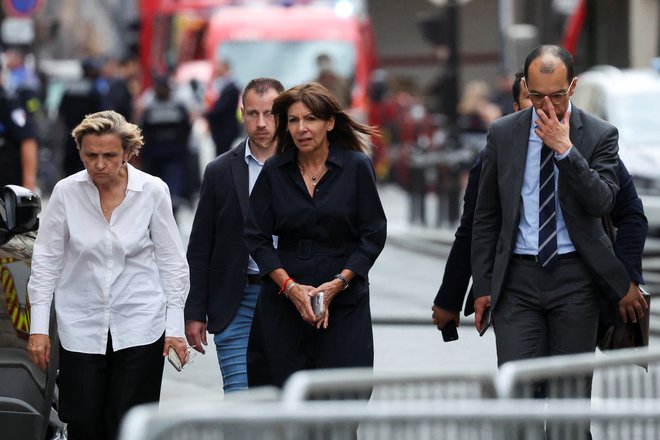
(224, 278)
(540, 256)
(627, 216)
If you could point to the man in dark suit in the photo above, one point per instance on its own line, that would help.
(540, 256)
(222, 116)
(627, 216)
(224, 279)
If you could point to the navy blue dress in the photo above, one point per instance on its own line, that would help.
(342, 227)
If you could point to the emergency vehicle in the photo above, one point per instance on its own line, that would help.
(280, 39)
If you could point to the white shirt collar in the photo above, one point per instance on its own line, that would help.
(136, 180)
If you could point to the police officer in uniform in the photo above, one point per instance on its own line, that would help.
(18, 145)
(81, 98)
(166, 129)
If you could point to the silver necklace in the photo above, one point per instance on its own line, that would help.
(314, 176)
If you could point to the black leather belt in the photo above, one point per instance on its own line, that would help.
(535, 258)
(253, 278)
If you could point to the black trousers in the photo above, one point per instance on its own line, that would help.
(97, 390)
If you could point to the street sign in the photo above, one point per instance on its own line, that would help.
(17, 30)
(21, 8)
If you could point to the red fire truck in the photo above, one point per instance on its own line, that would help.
(281, 39)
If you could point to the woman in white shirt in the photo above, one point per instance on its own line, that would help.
(109, 252)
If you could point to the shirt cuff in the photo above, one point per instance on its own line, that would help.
(561, 156)
(39, 319)
(175, 323)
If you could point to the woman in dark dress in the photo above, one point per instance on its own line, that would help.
(318, 196)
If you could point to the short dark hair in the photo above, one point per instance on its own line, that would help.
(262, 85)
(515, 88)
(556, 51)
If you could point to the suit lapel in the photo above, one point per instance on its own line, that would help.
(240, 176)
(576, 132)
(518, 155)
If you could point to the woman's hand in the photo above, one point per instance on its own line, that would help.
(330, 289)
(39, 350)
(301, 299)
(179, 345)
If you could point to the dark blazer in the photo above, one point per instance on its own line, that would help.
(222, 118)
(587, 188)
(627, 216)
(217, 255)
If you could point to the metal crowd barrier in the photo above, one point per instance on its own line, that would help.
(618, 374)
(507, 419)
(446, 403)
(367, 384)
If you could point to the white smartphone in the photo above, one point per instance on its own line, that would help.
(173, 357)
(317, 304)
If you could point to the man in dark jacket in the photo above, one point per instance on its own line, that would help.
(627, 216)
(166, 128)
(222, 116)
(81, 98)
(224, 279)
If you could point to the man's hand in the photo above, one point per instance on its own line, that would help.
(196, 335)
(480, 305)
(39, 350)
(553, 133)
(442, 317)
(632, 305)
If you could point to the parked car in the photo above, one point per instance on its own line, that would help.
(28, 396)
(630, 99)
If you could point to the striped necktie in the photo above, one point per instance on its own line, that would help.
(547, 214)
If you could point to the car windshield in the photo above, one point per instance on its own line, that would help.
(637, 118)
(291, 62)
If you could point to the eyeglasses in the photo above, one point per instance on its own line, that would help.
(555, 98)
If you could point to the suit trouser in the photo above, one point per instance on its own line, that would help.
(96, 390)
(541, 313)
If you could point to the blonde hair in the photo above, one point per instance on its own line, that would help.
(110, 122)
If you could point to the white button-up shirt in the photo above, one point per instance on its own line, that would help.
(129, 276)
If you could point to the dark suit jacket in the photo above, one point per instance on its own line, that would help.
(587, 188)
(628, 217)
(222, 118)
(217, 255)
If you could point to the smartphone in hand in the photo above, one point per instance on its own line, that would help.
(449, 332)
(317, 304)
(486, 319)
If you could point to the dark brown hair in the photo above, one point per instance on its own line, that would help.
(262, 85)
(347, 133)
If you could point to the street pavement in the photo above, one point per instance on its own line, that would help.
(404, 282)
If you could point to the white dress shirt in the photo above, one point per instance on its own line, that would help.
(129, 276)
